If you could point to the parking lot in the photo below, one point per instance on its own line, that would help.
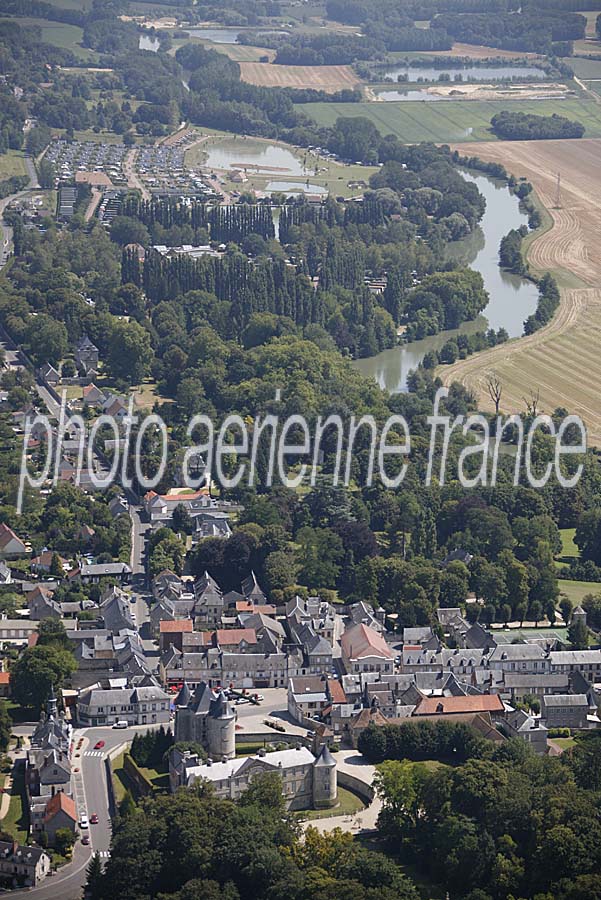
(69, 158)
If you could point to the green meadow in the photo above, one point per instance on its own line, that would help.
(452, 121)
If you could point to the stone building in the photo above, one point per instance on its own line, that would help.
(308, 782)
(207, 718)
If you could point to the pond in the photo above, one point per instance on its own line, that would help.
(215, 35)
(410, 95)
(295, 187)
(259, 157)
(512, 298)
(149, 42)
(468, 73)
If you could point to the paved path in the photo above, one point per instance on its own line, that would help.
(351, 762)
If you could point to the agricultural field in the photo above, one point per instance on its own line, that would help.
(11, 163)
(321, 78)
(444, 121)
(561, 360)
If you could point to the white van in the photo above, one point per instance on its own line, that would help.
(121, 724)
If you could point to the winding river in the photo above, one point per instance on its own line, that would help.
(512, 298)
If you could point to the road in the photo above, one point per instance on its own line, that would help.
(91, 795)
(6, 232)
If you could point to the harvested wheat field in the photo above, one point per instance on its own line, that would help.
(474, 51)
(562, 360)
(320, 78)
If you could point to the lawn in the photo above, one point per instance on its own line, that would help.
(11, 163)
(160, 780)
(569, 549)
(16, 820)
(61, 35)
(564, 743)
(576, 590)
(451, 120)
(349, 804)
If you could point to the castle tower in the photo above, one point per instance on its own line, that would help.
(325, 781)
(578, 614)
(221, 728)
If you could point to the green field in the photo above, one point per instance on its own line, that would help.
(584, 68)
(453, 121)
(11, 163)
(68, 37)
(576, 590)
(569, 549)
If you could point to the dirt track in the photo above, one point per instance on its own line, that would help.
(562, 360)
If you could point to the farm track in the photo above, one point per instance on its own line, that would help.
(563, 359)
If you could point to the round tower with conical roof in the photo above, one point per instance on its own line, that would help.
(221, 728)
(325, 781)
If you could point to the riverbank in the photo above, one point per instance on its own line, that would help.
(561, 360)
(512, 297)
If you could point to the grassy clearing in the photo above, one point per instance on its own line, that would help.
(16, 821)
(11, 163)
(576, 590)
(564, 743)
(61, 34)
(349, 804)
(451, 120)
(569, 549)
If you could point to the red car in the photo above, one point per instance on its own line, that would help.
(94, 819)
(98, 745)
(85, 839)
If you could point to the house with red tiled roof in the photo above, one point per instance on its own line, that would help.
(472, 703)
(60, 813)
(4, 684)
(171, 631)
(92, 395)
(10, 545)
(365, 650)
(239, 639)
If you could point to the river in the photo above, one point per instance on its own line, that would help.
(512, 298)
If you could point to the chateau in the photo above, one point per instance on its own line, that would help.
(206, 717)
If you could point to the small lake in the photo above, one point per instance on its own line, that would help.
(215, 35)
(512, 298)
(148, 42)
(409, 95)
(295, 187)
(468, 73)
(259, 157)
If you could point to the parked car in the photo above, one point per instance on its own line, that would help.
(120, 724)
(85, 839)
(83, 822)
